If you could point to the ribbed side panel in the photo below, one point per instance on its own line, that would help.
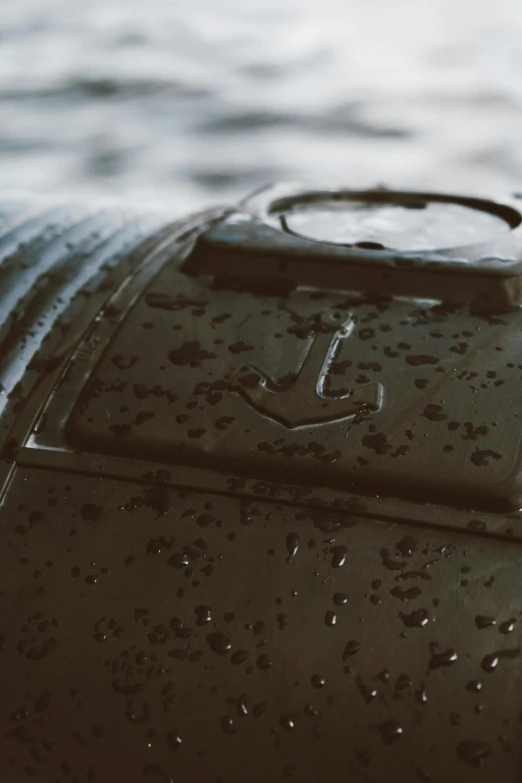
(48, 255)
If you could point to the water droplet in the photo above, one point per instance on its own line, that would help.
(367, 693)
(484, 622)
(174, 740)
(508, 626)
(390, 563)
(91, 513)
(351, 648)
(417, 619)
(238, 657)
(281, 621)
(402, 684)
(179, 628)
(443, 658)
(292, 544)
(317, 681)
(338, 556)
(434, 413)
(287, 722)
(474, 686)
(178, 560)
(203, 614)
(241, 705)
(227, 724)
(330, 619)
(491, 661)
(219, 642)
(405, 595)
(474, 752)
(390, 730)
(340, 599)
(407, 546)
(420, 695)
(264, 662)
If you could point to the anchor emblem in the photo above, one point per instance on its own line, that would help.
(304, 403)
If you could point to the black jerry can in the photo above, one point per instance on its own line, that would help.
(261, 490)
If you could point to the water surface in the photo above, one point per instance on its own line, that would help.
(188, 104)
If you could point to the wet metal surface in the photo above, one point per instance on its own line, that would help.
(254, 528)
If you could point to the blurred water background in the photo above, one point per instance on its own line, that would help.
(191, 103)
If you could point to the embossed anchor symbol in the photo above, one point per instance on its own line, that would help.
(304, 403)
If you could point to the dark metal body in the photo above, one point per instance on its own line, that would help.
(259, 504)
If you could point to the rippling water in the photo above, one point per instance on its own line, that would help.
(192, 103)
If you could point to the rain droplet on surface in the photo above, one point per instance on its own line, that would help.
(407, 546)
(484, 622)
(403, 683)
(366, 692)
(474, 752)
(292, 544)
(420, 695)
(417, 619)
(238, 657)
(389, 561)
(338, 556)
(174, 740)
(203, 613)
(330, 619)
(241, 705)
(491, 661)
(442, 658)
(178, 560)
(264, 662)
(391, 731)
(352, 647)
(219, 642)
(227, 724)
